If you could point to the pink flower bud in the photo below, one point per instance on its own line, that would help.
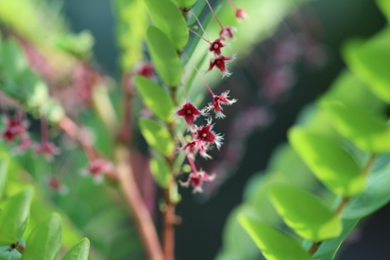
(241, 14)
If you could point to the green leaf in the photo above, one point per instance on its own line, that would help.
(3, 175)
(328, 161)
(368, 132)
(384, 5)
(370, 61)
(79, 45)
(274, 244)
(164, 56)
(196, 9)
(13, 217)
(330, 247)
(167, 17)
(372, 198)
(184, 3)
(157, 136)
(160, 171)
(44, 241)
(155, 98)
(80, 251)
(304, 213)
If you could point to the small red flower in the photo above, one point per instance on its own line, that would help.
(97, 169)
(216, 46)
(205, 135)
(145, 69)
(195, 146)
(218, 101)
(196, 180)
(189, 112)
(220, 63)
(241, 14)
(14, 128)
(227, 32)
(48, 149)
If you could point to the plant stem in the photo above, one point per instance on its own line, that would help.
(136, 204)
(344, 202)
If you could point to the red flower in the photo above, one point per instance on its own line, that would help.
(56, 186)
(196, 180)
(14, 128)
(217, 101)
(204, 135)
(145, 69)
(97, 169)
(189, 112)
(241, 14)
(220, 63)
(216, 46)
(227, 32)
(195, 146)
(48, 149)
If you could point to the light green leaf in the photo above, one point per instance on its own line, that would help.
(157, 136)
(368, 132)
(164, 56)
(44, 241)
(167, 17)
(160, 171)
(3, 175)
(328, 161)
(274, 244)
(375, 196)
(370, 61)
(155, 98)
(330, 247)
(13, 217)
(12, 57)
(304, 213)
(384, 5)
(80, 251)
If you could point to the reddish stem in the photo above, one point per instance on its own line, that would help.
(215, 16)
(232, 4)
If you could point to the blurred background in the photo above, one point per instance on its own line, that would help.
(271, 94)
(283, 74)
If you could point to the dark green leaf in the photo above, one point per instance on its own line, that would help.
(167, 17)
(368, 132)
(155, 98)
(157, 136)
(13, 217)
(160, 171)
(164, 56)
(370, 61)
(304, 213)
(372, 198)
(328, 161)
(44, 241)
(80, 251)
(274, 244)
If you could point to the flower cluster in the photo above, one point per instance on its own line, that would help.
(97, 169)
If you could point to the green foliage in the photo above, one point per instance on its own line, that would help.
(160, 171)
(131, 26)
(164, 56)
(44, 242)
(79, 46)
(185, 4)
(369, 133)
(304, 213)
(274, 244)
(385, 7)
(170, 21)
(370, 60)
(80, 251)
(327, 159)
(14, 215)
(155, 98)
(157, 136)
(3, 175)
